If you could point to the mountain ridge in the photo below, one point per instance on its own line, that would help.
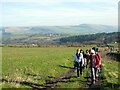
(80, 28)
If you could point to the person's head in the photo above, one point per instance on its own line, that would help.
(87, 51)
(92, 52)
(96, 50)
(78, 50)
(81, 51)
(93, 48)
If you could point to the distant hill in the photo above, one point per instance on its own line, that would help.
(60, 39)
(73, 29)
(97, 39)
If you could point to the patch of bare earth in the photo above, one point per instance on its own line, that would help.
(52, 83)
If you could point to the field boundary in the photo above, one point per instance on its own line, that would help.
(28, 46)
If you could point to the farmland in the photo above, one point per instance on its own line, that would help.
(32, 67)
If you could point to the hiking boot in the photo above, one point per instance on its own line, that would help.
(97, 75)
(93, 82)
(74, 67)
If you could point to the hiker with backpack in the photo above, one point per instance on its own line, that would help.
(99, 58)
(94, 64)
(78, 60)
(86, 55)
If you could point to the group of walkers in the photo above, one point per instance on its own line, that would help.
(90, 59)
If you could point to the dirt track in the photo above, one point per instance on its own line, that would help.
(52, 84)
(68, 75)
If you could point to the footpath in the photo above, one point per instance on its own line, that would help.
(68, 74)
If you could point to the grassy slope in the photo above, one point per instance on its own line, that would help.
(115, 44)
(111, 73)
(34, 65)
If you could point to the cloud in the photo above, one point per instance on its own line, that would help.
(61, 14)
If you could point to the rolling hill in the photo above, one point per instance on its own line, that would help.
(72, 29)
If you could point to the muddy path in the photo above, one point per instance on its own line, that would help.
(64, 78)
(52, 83)
(68, 74)
(100, 78)
(97, 84)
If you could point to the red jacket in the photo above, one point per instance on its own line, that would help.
(96, 60)
(99, 57)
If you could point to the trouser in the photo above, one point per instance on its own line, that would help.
(79, 68)
(98, 70)
(94, 72)
(85, 61)
(75, 64)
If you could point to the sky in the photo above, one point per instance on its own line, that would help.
(58, 12)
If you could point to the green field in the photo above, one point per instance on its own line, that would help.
(115, 44)
(111, 73)
(26, 67)
(35, 65)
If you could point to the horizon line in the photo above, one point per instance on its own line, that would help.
(55, 25)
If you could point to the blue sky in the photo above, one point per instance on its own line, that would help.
(58, 12)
